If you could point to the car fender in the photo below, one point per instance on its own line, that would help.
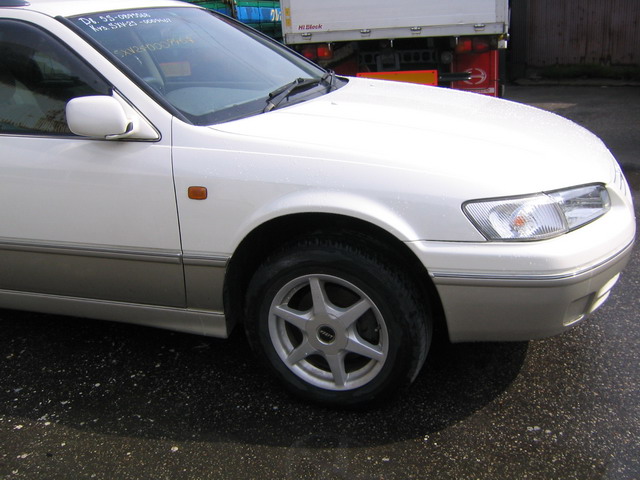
(347, 204)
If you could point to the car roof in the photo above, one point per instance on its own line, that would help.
(79, 7)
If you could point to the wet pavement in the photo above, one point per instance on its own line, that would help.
(86, 399)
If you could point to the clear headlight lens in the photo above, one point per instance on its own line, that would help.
(539, 216)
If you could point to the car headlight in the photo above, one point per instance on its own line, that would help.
(539, 216)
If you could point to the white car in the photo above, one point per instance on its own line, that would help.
(164, 165)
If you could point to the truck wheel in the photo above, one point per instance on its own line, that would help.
(338, 326)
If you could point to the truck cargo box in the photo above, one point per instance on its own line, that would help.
(340, 20)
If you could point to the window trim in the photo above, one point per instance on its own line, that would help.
(69, 50)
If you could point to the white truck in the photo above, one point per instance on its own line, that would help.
(449, 42)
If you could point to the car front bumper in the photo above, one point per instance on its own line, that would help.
(516, 291)
(525, 308)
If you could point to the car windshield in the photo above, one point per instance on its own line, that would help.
(205, 66)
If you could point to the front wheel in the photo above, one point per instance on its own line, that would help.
(337, 325)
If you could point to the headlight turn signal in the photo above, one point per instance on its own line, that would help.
(539, 216)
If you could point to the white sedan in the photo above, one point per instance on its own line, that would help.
(164, 165)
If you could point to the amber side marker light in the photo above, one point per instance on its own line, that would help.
(198, 193)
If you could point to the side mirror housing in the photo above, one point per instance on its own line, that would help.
(101, 116)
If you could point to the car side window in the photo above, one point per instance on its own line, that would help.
(38, 76)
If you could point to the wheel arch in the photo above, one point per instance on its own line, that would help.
(271, 235)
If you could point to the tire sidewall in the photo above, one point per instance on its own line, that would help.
(371, 276)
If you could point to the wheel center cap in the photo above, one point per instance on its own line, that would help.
(326, 334)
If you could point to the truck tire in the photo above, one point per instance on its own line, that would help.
(338, 325)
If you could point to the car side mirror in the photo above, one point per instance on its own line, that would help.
(101, 116)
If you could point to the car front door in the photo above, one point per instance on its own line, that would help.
(79, 217)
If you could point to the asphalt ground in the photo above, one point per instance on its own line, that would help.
(86, 399)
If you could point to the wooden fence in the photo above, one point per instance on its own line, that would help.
(575, 32)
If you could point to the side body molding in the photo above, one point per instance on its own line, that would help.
(133, 286)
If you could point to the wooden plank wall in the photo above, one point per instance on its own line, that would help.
(574, 32)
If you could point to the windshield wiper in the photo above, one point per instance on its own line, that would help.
(277, 96)
(330, 78)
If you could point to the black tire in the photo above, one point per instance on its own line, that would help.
(337, 325)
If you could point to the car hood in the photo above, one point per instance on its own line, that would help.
(480, 145)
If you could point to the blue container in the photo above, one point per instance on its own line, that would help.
(263, 15)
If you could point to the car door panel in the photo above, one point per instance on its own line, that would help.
(90, 219)
(80, 217)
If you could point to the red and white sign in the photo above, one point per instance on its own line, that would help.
(483, 68)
